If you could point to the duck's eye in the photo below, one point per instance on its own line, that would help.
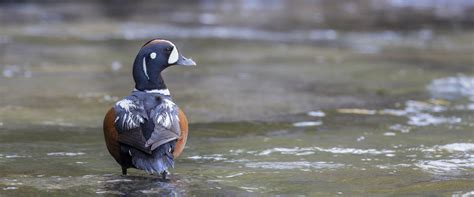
(169, 49)
(153, 55)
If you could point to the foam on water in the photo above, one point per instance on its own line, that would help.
(432, 159)
(150, 191)
(334, 150)
(307, 123)
(447, 166)
(412, 106)
(13, 156)
(234, 175)
(417, 112)
(401, 128)
(118, 180)
(425, 113)
(110, 192)
(215, 157)
(294, 165)
(12, 71)
(289, 151)
(65, 154)
(251, 189)
(453, 87)
(424, 119)
(449, 159)
(357, 111)
(393, 112)
(355, 151)
(458, 147)
(462, 194)
(316, 113)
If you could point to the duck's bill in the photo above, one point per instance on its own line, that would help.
(183, 61)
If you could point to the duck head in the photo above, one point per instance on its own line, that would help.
(155, 56)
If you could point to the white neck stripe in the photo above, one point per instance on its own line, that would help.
(144, 68)
(156, 91)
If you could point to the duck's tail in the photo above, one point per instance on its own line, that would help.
(159, 161)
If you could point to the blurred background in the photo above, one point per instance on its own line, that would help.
(257, 59)
(354, 92)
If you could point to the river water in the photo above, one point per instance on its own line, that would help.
(285, 108)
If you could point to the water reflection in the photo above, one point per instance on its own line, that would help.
(140, 185)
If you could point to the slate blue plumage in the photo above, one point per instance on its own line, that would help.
(143, 110)
(143, 129)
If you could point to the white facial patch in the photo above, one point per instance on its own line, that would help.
(174, 56)
(153, 55)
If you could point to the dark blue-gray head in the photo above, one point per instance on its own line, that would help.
(155, 56)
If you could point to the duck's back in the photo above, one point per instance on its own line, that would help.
(145, 131)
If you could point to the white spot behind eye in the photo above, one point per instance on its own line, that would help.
(153, 55)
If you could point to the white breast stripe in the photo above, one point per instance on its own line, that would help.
(144, 68)
(162, 91)
(156, 91)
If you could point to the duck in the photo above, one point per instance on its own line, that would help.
(146, 130)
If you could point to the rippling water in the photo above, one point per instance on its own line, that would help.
(377, 151)
(277, 109)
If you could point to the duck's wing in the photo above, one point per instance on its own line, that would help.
(130, 114)
(165, 116)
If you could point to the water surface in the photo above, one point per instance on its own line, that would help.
(287, 108)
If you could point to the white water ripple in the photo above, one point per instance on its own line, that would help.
(459, 147)
(65, 154)
(294, 165)
(447, 166)
(307, 123)
(334, 150)
(453, 87)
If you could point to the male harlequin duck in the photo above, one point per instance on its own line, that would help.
(146, 129)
